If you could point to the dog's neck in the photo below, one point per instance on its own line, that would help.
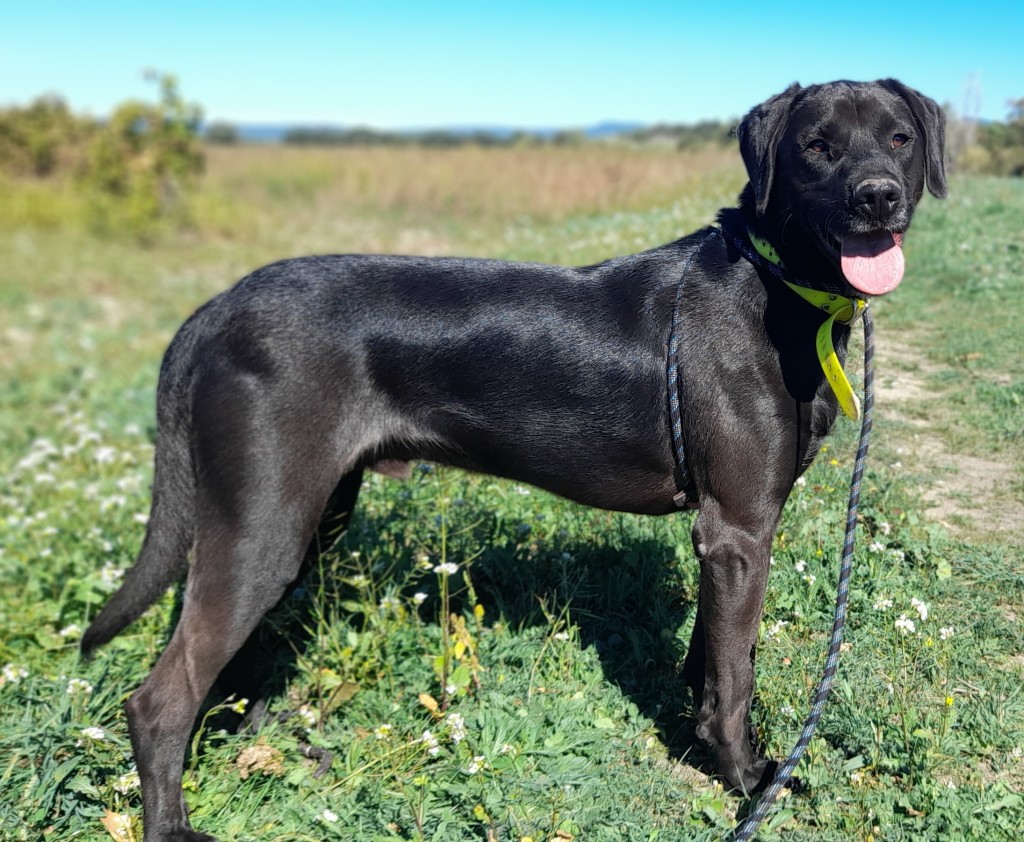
(807, 263)
(839, 308)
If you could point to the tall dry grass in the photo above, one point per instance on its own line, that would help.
(469, 183)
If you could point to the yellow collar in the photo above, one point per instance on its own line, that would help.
(839, 308)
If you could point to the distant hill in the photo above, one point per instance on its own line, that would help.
(275, 132)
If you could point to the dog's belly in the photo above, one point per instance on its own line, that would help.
(604, 475)
(590, 427)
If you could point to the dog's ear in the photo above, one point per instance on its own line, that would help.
(931, 123)
(759, 134)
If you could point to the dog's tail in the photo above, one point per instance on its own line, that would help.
(163, 559)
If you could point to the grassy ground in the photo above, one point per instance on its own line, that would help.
(549, 707)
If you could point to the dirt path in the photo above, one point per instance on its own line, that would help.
(967, 494)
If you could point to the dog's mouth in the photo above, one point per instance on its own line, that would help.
(872, 263)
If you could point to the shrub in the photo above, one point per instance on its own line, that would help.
(41, 138)
(222, 133)
(143, 160)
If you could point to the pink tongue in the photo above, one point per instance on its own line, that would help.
(873, 263)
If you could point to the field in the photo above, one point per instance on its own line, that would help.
(533, 693)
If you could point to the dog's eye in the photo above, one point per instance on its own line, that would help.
(818, 146)
(899, 140)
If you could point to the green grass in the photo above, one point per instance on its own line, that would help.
(571, 622)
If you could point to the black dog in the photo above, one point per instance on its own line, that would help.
(277, 394)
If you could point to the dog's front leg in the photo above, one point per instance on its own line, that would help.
(733, 552)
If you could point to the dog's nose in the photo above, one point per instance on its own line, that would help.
(877, 198)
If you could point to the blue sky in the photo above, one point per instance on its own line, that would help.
(395, 63)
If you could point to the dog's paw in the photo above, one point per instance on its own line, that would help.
(752, 780)
(185, 834)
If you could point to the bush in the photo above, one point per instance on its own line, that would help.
(41, 138)
(222, 133)
(1000, 146)
(143, 160)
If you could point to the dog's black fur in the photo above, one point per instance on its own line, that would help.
(277, 394)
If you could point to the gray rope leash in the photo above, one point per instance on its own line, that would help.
(675, 385)
(749, 827)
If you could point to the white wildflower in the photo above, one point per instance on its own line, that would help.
(419, 597)
(801, 481)
(561, 635)
(87, 436)
(14, 673)
(114, 501)
(885, 527)
(328, 816)
(877, 547)
(810, 578)
(898, 554)
(430, 741)
(800, 566)
(73, 630)
(448, 567)
(105, 454)
(946, 632)
(111, 574)
(456, 727)
(882, 604)
(905, 625)
(921, 608)
(129, 484)
(141, 517)
(475, 765)
(382, 732)
(774, 629)
(78, 687)
(127, 782)
(94, 733)
(307, 715)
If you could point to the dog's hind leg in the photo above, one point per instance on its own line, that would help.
(259, 500)
(269, 652)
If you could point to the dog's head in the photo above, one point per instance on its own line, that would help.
(835, 172)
